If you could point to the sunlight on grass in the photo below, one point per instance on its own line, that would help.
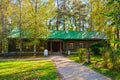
(74, 57)
(27, 70)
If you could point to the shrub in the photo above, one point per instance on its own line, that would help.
(115, 58)
(95, 47)
(105, 55)
(81, 53)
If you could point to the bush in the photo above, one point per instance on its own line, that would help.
(95, 47)
(81, 53)
(115, 58)
(105, 55)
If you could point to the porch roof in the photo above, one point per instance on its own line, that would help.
(63, 35)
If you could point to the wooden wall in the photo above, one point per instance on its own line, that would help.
(73, 45)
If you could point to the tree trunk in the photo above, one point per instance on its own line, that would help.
(76, 24)
(71, 23)
(20, 47)
(79, 20)
(3, 31)
(64, 27)
(88, 56)
(105, 61)
(3, 10)
(118, 37)
(35, 49)
(57, 22)
(91, 21)
(20, 25)
(64, 11)
(35, 28)
(83, 26)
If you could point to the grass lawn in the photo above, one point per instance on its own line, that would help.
(113, 74)
(27, 70)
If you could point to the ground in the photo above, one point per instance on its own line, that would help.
(48, 68)
(27, 70)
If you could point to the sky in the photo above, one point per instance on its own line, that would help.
(84, 1)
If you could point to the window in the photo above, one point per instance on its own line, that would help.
(76, 45)
(17, 45)
(81, 45)
(87, 45)
(70, 46)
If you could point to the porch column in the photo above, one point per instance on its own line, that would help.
(64, 46)
(60, 48)
(51, 46)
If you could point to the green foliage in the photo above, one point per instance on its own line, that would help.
(105, 54)
(30, 17)
(95, 47)
(110, 55)
(108, 21)
(97, 19)
(27, 70)
(81, 53)
(115, 58)
(69, 13)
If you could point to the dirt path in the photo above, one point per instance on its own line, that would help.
(70, 70)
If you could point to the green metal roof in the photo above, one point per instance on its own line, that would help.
(63, 35)
(76, 35)
(15, 33)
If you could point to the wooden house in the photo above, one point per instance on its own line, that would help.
(59, 41)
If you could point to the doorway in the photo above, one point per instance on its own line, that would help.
(55, 46)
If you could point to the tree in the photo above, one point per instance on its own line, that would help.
(97, 17)
(114, 17)
(4, 24)
(58, 14)
(39, 13)
(105, 17)
(70, 15)
(17, 19)
(26, 15)
(20, 26)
